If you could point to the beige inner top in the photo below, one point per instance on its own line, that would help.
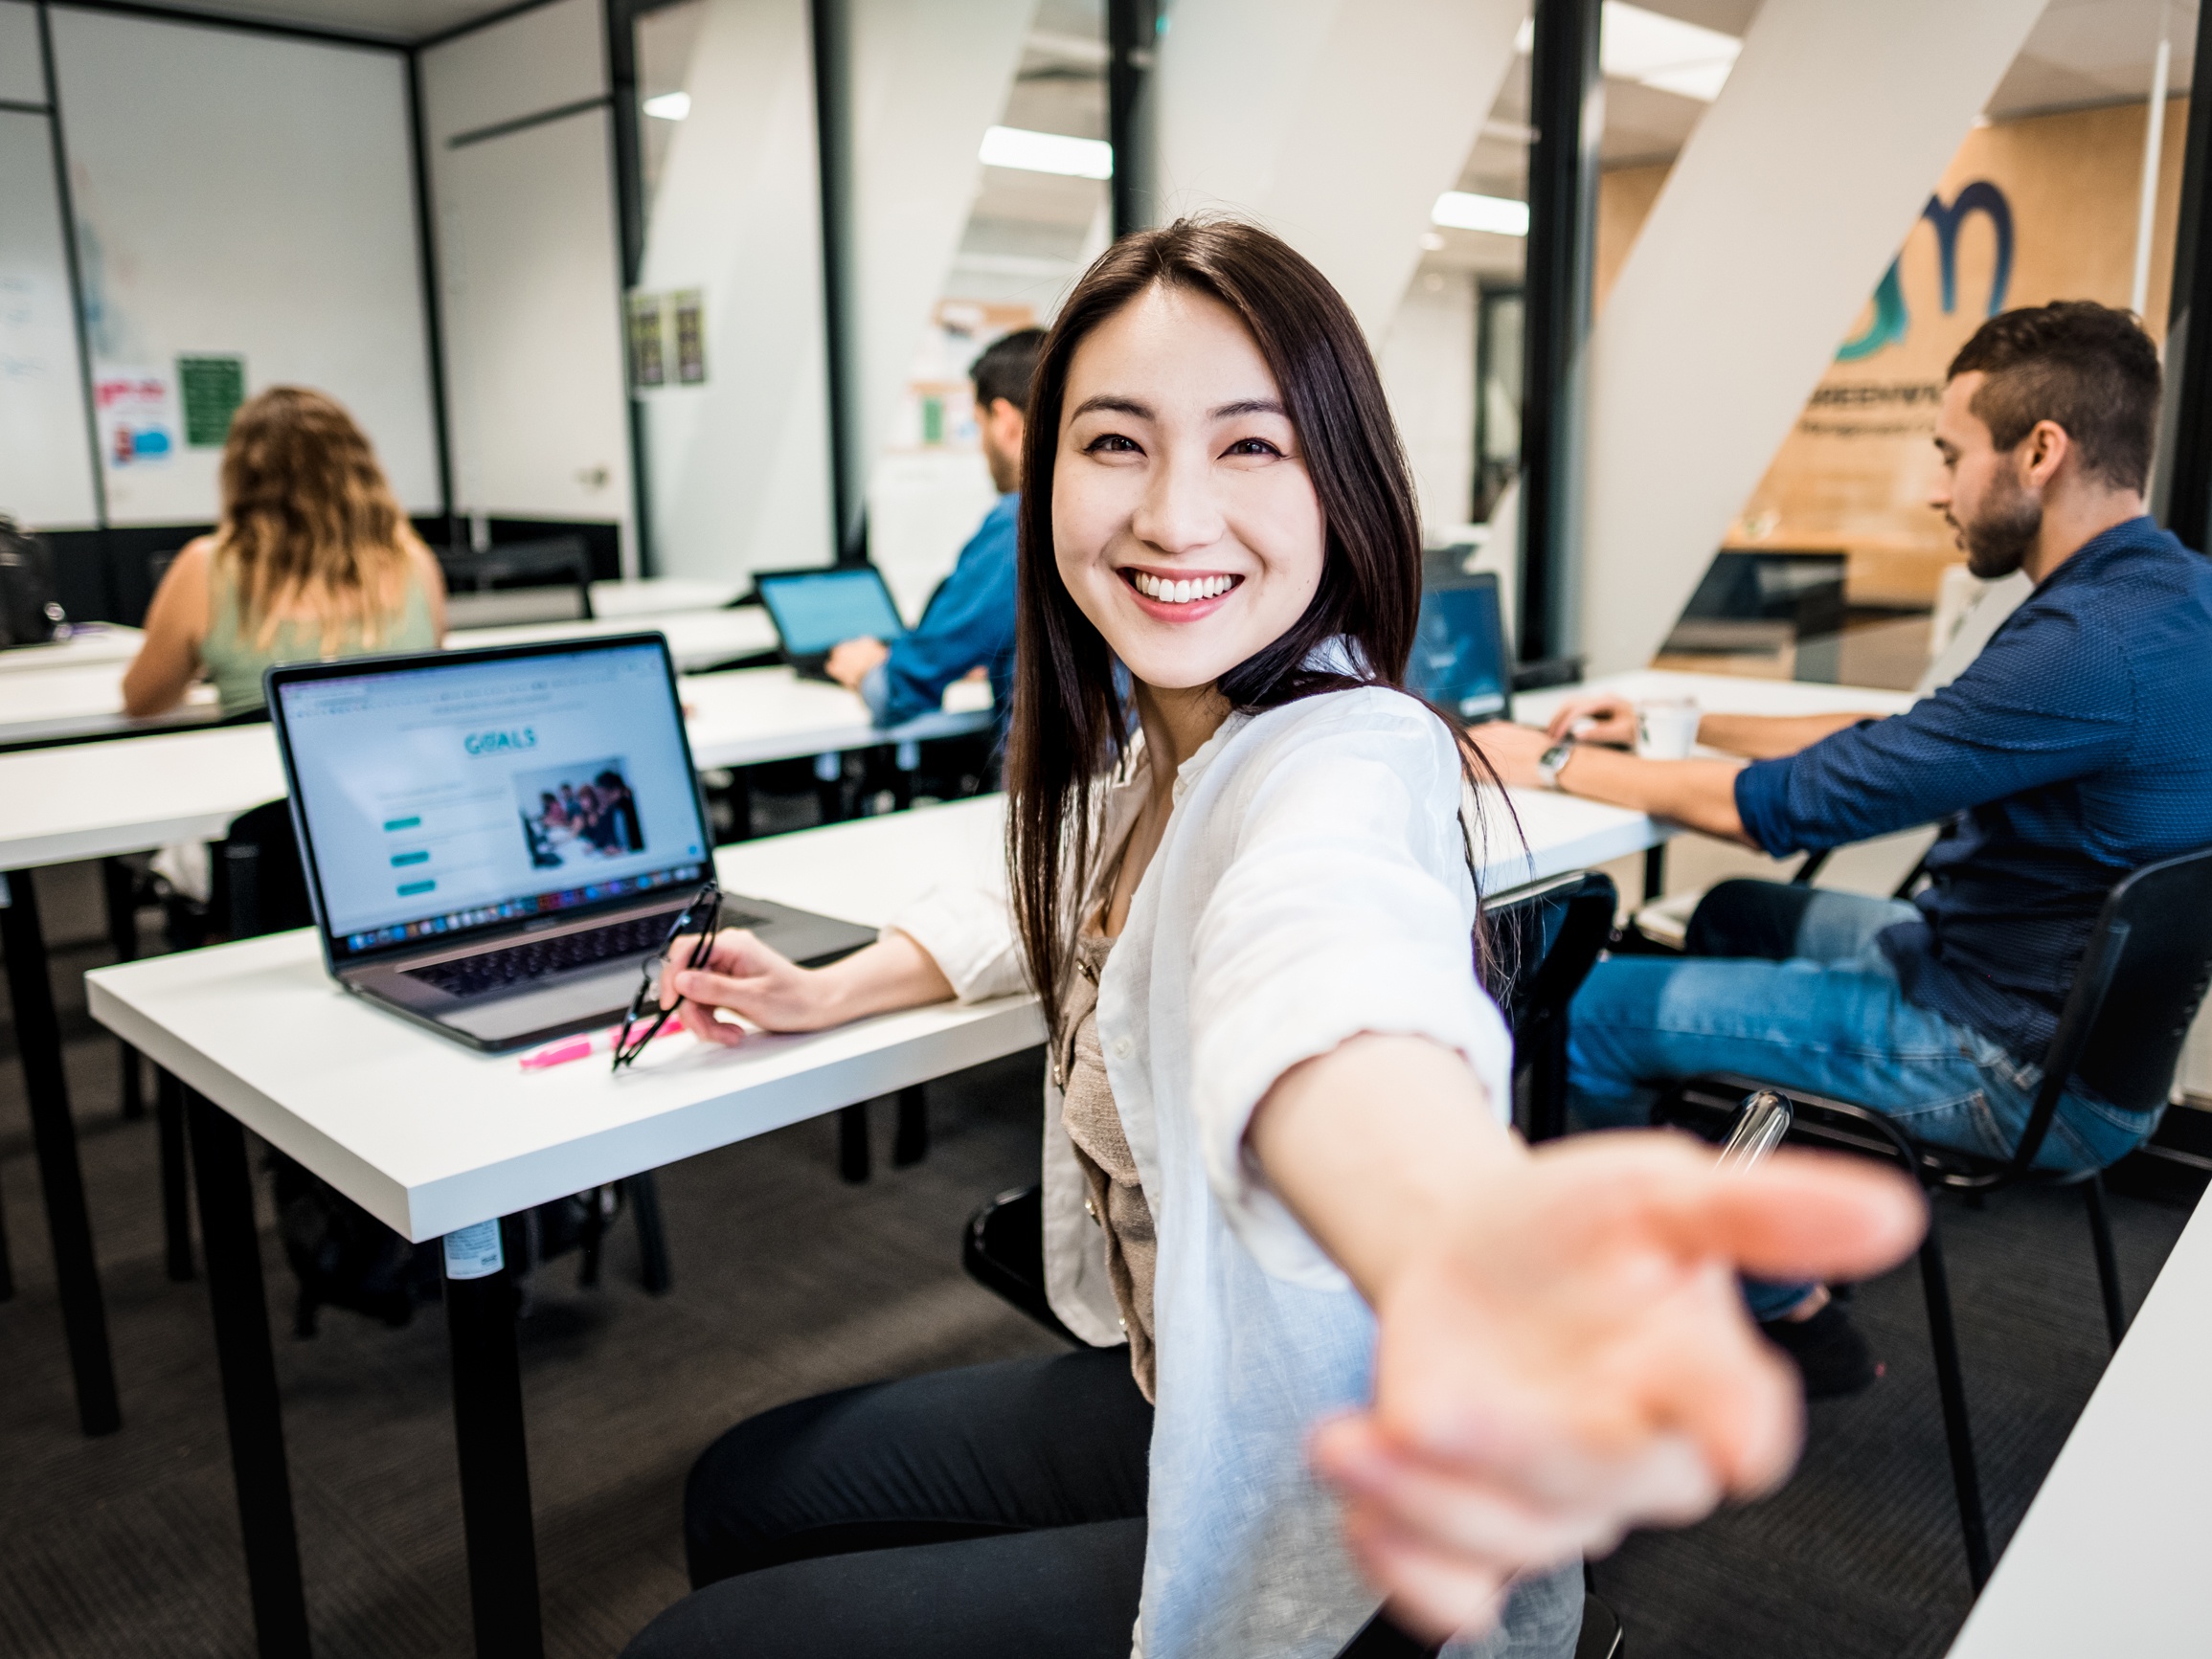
(1093, 1123)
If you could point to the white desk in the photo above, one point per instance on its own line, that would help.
(665, 596)
(91, 643)
(2107, 1560)
(97, 800)
(1721, 694)
(72, 691)
(81, 702)
(430, 1136)
(696, 639)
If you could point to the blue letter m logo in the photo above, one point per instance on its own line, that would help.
(1890, 319)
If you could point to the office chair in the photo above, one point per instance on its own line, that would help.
(1544, 944)
(2127, 1014)
(538, 581)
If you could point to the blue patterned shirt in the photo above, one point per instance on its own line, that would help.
(2076, 747)
(968, 623)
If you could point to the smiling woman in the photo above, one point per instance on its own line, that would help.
(1277, 1161)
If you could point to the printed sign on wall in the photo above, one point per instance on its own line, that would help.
(211, 388)
(668, 329)
(137, 415)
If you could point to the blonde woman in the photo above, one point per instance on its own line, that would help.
(313, 559)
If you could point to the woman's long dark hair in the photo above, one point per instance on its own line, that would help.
(1071, 728)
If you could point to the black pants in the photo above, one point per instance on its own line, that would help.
(996, 1510)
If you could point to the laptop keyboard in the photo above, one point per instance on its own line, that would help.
(541, 958)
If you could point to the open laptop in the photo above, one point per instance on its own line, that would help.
(816, 609)
(1459, 661)
(495, 841)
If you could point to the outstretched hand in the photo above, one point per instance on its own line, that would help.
(1573, 1358)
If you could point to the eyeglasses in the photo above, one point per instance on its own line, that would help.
(645, 1016)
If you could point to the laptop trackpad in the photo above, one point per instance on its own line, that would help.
(571, 1002)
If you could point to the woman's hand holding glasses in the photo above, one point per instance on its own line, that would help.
(734, 970)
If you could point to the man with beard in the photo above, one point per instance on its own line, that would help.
(2076, 747)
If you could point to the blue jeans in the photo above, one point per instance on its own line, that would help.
(1830, 1019)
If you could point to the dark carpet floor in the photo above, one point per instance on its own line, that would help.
(789, 1282)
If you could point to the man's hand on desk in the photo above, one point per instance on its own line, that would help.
(1700, 793)
(853, 661)
(1608, 717)
(776, 994)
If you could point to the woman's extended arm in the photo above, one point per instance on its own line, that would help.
(176, 621)
(1562, 1351)
(776, 994)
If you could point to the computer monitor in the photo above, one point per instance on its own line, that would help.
(1458, 660)
(817, 609)
(444, 795)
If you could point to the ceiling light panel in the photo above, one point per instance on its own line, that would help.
(1048, 152)
(1465, 210)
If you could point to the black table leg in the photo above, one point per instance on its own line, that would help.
(1655, 872)
(495, 1515)
(122, 934)
(176, 1218)
(7, 1267)
(852, 1142)
(249, 1369)
(911, 1144)
(38, 1041)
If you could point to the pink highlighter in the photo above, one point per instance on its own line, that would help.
(582, 1046)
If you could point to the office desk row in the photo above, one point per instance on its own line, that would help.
(70, 691)
(100, 799)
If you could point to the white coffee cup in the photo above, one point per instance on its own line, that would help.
(1667, 728)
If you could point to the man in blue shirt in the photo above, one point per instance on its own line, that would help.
(2076, 747)
(969, 621)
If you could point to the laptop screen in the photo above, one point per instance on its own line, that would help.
(1459, 658)
(814, 610)
(444, 797)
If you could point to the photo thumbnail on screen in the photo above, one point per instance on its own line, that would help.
(581, 814)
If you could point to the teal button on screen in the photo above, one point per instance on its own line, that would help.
(408, 890)
(402, 824)
(401, 859)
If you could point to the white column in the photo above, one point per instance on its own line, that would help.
(928, 78)
(1790, 198)
(738, 468)
(1334, 122)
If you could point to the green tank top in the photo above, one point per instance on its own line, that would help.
(234, 661)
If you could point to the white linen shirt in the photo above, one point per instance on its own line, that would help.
(1311, 885)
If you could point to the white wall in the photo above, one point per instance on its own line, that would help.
(529, 269)
(1427, 364)
(927, 79)
(1775, 224)
(1336, 122)
(45, 454)
(22, 74)
(243, 192)
(738, 468)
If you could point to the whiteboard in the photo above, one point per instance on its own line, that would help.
(248, 194)
(45, 455)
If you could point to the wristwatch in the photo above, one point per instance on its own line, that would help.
(1552, 761)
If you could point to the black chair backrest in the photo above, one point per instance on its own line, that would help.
(2140, 984)
(556, 563)
(1543, 946)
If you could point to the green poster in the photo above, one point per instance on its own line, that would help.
(211, 389)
